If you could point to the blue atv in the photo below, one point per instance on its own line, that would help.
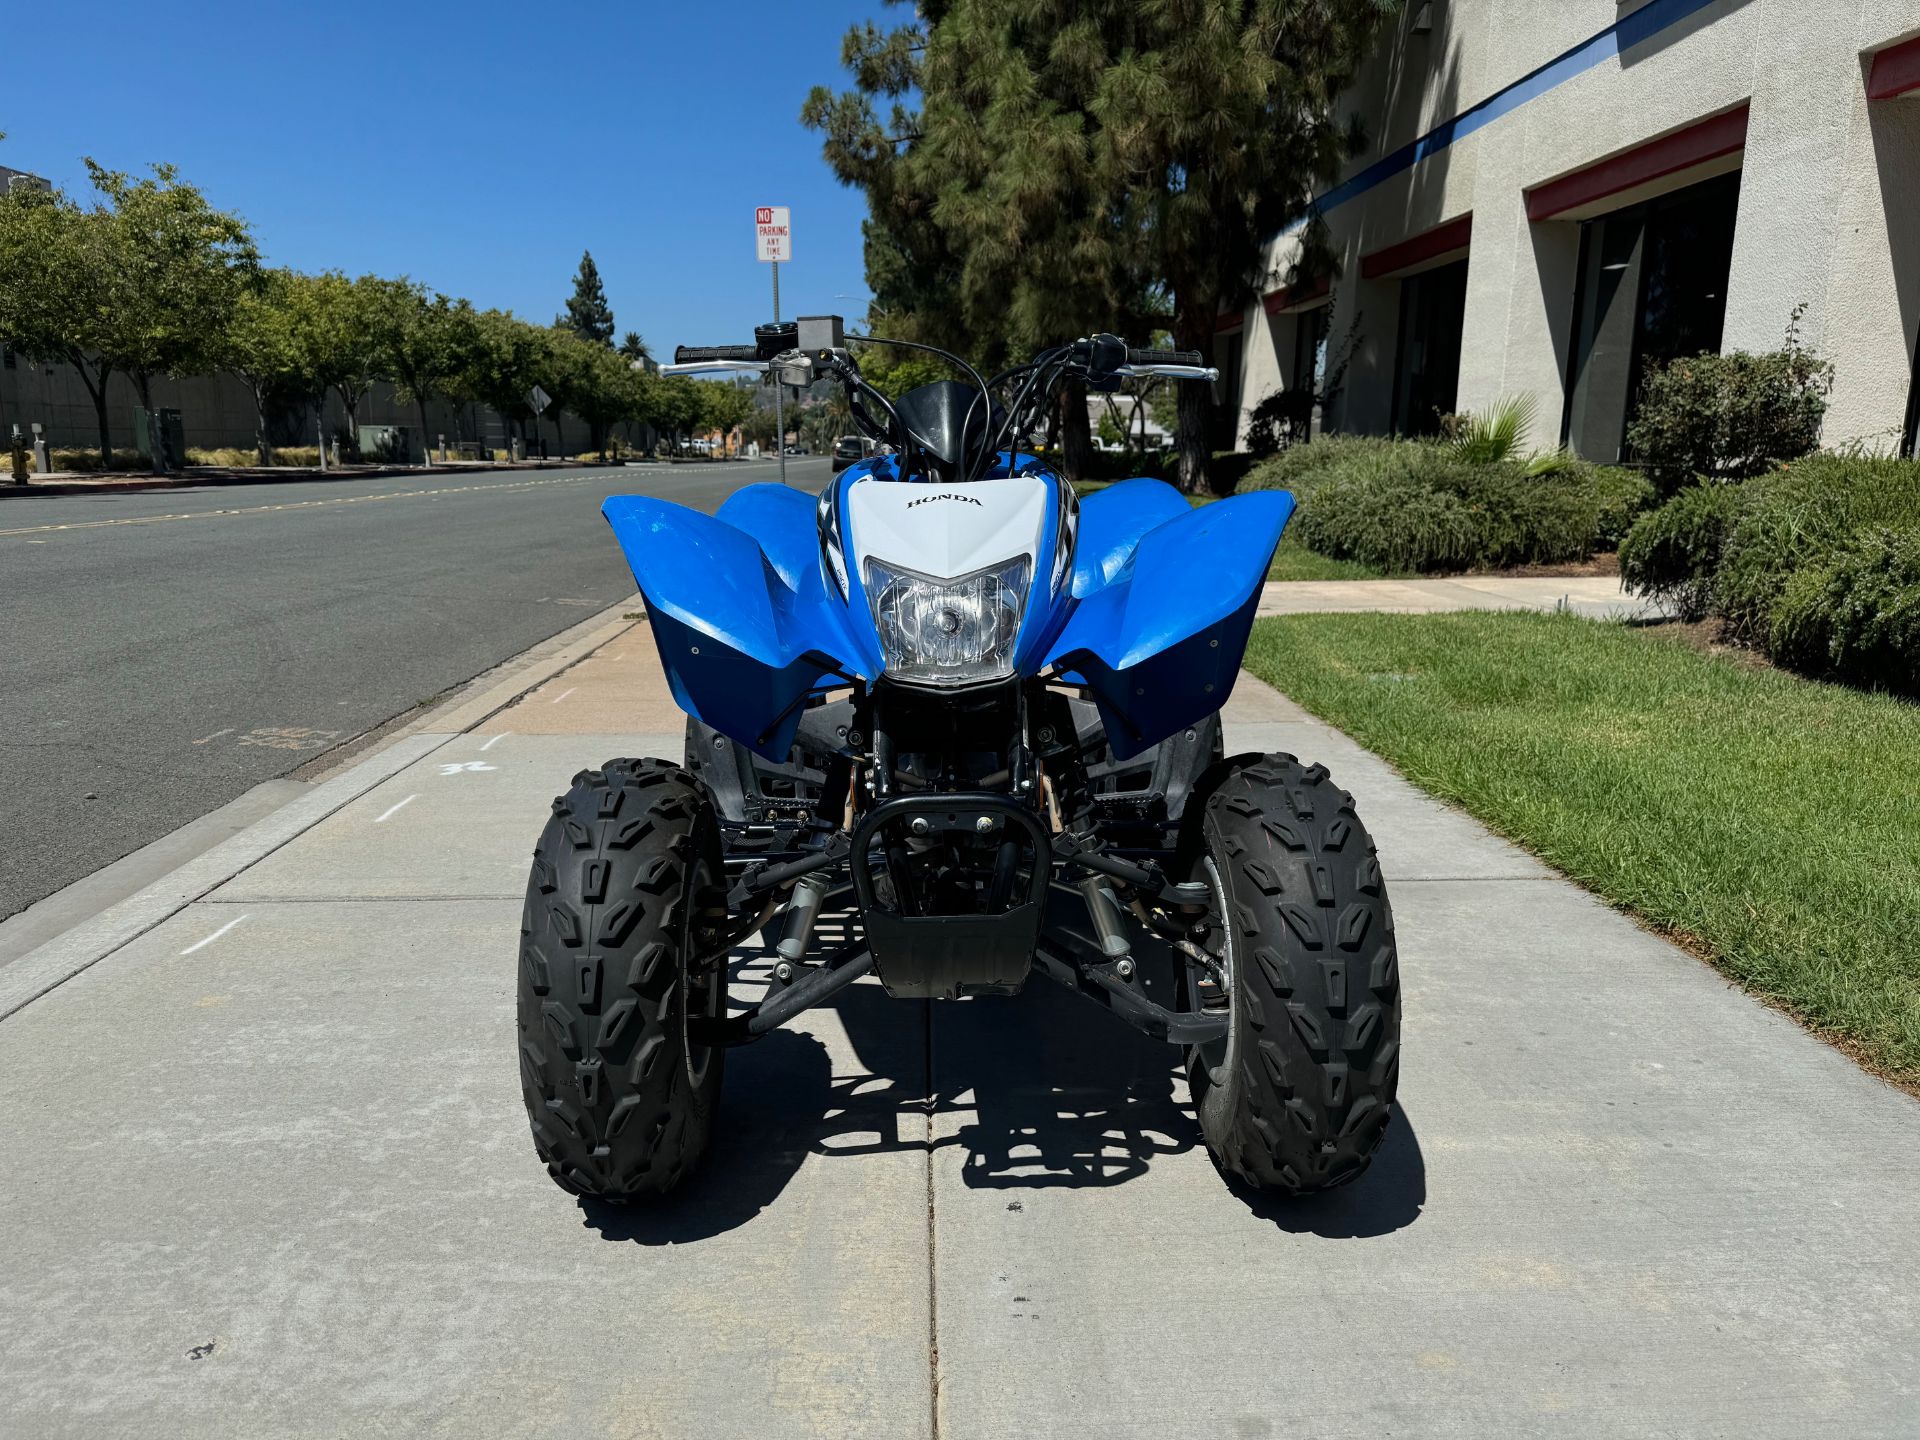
(977, 719)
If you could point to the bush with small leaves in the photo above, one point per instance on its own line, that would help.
(1673, 553)
(1730, 417)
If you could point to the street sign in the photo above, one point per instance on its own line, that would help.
(538, 400)
(773, 233)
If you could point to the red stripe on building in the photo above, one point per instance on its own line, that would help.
(1289, 296)
(1228, 321)
(1455, 235)
(1669, 155)
(1896, 71)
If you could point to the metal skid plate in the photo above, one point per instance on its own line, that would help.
(944, 957)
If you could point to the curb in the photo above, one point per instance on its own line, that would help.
(50, 965)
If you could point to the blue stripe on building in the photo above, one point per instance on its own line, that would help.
(1635, 29)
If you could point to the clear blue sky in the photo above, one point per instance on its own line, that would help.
(478, 146)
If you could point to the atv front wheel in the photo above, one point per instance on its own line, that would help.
(1300, 950)
(625, 906)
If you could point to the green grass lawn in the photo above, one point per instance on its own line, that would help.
(1770, 823)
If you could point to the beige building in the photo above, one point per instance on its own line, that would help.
(1556, 195)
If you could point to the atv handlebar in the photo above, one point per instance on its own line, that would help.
(697, 354)
(1189, 359)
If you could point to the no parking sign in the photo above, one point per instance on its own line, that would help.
(773, 232)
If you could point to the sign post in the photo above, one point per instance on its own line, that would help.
(773, 242)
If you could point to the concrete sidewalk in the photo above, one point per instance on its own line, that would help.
(267, 1174)
(1598, 597)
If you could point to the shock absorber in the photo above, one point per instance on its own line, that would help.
(1108, 924)
(797, 923)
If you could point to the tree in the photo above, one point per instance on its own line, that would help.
(421, 340)
(504, 361)
(723, 405)
(1090, 154)
(54, 282)
(677, 406)
(337, 334)
(588, 314)
(259, 351)
(632, 347)
(172, 271)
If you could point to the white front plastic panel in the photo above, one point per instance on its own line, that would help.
(946, 531)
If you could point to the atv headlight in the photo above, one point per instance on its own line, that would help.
(948, 632)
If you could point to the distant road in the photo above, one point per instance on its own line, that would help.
(166, 651)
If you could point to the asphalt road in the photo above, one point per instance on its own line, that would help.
(163, 652)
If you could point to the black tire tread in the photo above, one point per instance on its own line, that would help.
(1317, 1062)
(613, 1109)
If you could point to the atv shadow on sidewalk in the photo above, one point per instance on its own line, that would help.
(1037, 1091)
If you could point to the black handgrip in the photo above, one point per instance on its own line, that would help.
(694, 354)
(1164, 357)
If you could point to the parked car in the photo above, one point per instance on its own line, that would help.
(798, 450)
(846, 450)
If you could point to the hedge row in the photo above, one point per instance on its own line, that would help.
(1817, 565)
(1413, 506)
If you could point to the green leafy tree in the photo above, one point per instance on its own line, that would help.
(723, 406)
(505, 359)
(677, 407)
(633, 347)
(175, 271)
(588, 314)
(421, 341)
(55, 277)
(259, 351)
(1099, 158)
(337, 333)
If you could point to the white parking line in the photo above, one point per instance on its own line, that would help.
(213, 937)
(215, 736)
(495, 741)
(395, 809)
(564, 693)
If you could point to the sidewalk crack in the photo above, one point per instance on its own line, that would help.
(933, 1269)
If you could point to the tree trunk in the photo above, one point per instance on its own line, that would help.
(156, 432)
(260, 424)
(1076, 434)
(1196, 420)
(426, 445)
(351, 404)
(98, 393)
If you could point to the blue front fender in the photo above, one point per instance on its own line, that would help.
(1166, 597)
(741, 613)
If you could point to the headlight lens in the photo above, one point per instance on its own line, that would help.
(948, 632)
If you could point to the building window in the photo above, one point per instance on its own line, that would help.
(1309, 350)
(1226, 390)
(1433, 317)
(1652, 288)
(1910, 443)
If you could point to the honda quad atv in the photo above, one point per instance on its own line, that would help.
(979, 718)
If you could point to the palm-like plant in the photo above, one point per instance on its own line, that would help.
(1499, 434)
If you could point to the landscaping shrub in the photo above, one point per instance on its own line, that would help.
(1730, 417)
(1672, 553)
(87, 461)
(1417, 506)
(1393, 515)
(1623, 496)
(1873, 599)
(1801, 517)
(1855, 617)
(1298, 468)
